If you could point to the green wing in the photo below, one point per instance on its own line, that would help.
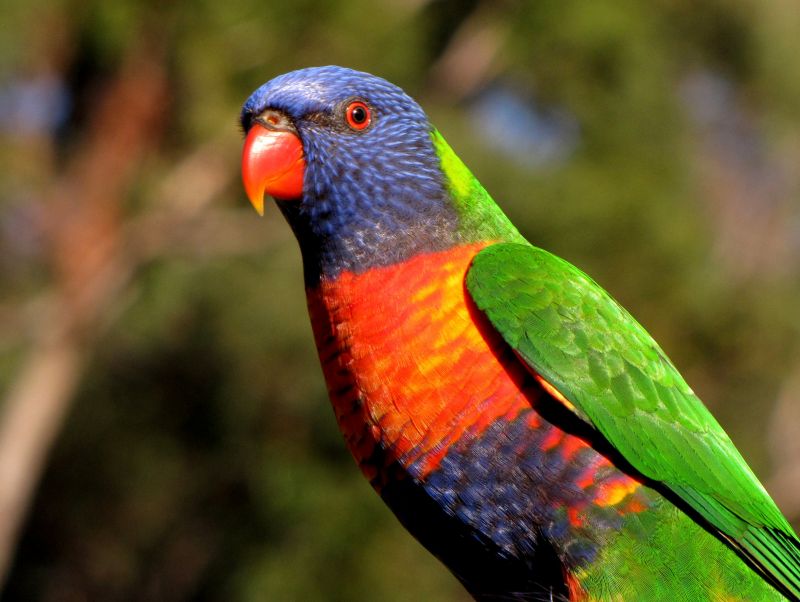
(577, 338)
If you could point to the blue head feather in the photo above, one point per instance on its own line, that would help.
(370, 198)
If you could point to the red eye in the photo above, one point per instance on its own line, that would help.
(358, 115)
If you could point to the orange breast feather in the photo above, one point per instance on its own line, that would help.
(410, 363)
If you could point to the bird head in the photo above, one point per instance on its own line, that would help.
(354, 165)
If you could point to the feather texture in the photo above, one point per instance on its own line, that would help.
(569, 331)
(520, 423)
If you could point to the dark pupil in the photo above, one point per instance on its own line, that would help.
(359, 115)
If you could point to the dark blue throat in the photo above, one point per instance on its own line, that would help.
(369, 201)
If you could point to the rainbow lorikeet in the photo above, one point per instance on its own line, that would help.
(518, 421)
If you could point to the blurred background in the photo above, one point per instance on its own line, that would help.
(164, 428)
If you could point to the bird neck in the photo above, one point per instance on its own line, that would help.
(382, 219)
(479, 217)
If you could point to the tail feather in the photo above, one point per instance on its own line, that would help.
(778, 554)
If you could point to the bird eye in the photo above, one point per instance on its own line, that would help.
(358, 115)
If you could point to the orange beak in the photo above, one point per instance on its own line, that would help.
(273, 164)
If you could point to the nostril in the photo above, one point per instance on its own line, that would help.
(275, 120)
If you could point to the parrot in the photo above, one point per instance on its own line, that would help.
(516, 419)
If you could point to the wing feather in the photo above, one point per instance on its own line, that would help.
(574, 336)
